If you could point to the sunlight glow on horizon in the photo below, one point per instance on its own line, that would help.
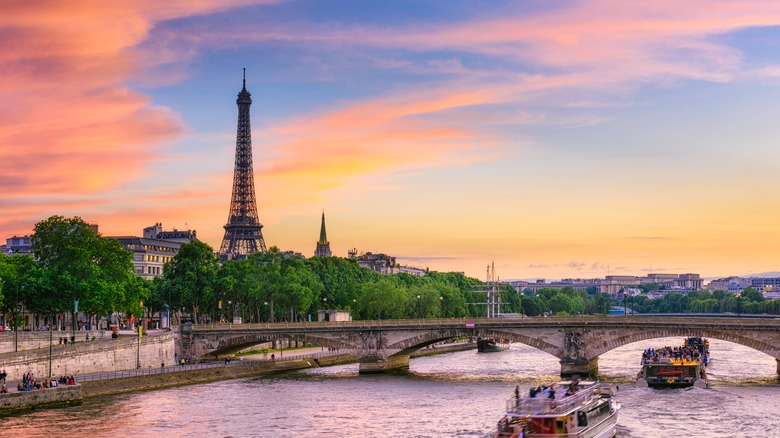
(563, 140)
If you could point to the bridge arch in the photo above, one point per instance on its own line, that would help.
(595, 349)
(236, 343)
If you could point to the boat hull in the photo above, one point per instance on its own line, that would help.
(491, 346)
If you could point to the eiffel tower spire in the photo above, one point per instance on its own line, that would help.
(323, 246)
(243, 231)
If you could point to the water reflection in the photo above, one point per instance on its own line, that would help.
(460, 395)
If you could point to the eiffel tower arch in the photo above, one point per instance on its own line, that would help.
(243, 231)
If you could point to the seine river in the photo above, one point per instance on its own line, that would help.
(454, 395)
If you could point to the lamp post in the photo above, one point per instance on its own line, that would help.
(16, 322)
(51, 339)
(231, 312)
(140, 330)
(625, 309)
(73, 320)
(265, 304)
(417, 310)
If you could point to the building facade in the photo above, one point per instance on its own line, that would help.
(154, 249)
(17, 244)
(382, 263)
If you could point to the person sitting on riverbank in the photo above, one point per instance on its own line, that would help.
(71, 380)
(3, 390)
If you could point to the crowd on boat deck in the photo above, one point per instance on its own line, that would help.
(687, 353)
(549, 392)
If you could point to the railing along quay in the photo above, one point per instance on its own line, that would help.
(770, 320)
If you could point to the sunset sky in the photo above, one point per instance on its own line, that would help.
(556, 138)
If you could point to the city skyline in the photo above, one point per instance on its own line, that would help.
(558, 139)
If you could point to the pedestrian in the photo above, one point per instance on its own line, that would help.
(87, 340)
(273, 357)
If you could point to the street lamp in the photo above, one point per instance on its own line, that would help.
(140, 329)
(230, 309)
(265, 304)
(417, 313)
(16, 322)
(51, 339)
(73, 320)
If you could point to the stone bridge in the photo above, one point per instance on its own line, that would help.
(577, 341)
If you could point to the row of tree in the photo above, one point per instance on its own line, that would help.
(72, 263)
(749, 301)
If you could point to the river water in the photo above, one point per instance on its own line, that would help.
(454, 395)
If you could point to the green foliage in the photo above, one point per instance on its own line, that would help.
(533, 305)
(752, 295)
(190, 278)
(73, 262)
(382, 299)
(79, 264)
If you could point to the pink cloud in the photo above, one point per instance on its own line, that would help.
(69, 126)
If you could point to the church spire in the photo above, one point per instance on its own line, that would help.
(323, 234)
(323, 246)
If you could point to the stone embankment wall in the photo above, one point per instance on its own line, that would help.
(61, 395)
(91, 357)
(40, 339)
(167, 380)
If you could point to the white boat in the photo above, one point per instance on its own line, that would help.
(585, 409)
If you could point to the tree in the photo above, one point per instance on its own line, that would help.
(533, 305)
(300, 287)
(752, 295)
(382, 299)
(80, 265)
(191, 277)
(21, 279)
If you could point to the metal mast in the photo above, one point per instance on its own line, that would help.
(493, 294)
(243, 231)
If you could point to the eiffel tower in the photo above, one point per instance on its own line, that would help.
(243, 231)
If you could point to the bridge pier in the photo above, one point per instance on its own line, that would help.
(378, 365)
(581, 367)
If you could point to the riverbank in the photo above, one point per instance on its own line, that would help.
(65, 395)
(251, 368)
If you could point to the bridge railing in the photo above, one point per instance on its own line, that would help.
(537, 320)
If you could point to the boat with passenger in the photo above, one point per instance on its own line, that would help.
(677, 367)
(701, 344)
(570, 408)
(491, 345)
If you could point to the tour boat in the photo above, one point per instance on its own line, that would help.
(490, 345)
(701, 344)
(681, 367)
(586, 409)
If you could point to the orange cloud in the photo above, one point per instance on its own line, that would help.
(69, 126)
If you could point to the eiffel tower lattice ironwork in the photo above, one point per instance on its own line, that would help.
(243, 231)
